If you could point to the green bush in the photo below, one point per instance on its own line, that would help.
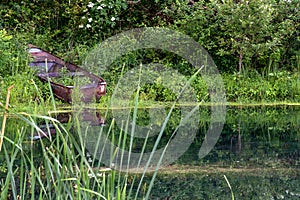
(246, 34)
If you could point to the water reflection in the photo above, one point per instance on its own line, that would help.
(90, 116)
(258, 151)
(254, 135)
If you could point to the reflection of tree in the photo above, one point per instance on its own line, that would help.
(237, 147)
(235, 141)
(270, 135)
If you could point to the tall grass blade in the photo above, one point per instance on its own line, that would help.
(232, 194)
(159, 138)
(5, 115)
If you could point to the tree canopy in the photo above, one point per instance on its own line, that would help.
(238, 34)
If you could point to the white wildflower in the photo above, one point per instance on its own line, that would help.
(83, 17)
(103, 5)
(98, 1)
(90, 19)
(88, 26)
(80, 26)
(91, 4)
(99, 8)
(113, 19)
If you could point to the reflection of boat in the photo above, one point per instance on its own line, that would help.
(90, 116)
(50, 67)
(87, 115)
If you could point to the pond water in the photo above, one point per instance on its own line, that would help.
(257, 155)
(258, 152)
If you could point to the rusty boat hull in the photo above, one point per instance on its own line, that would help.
(49, 67)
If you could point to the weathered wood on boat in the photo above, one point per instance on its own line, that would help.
(49, 66)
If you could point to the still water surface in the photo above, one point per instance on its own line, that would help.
(258, 153)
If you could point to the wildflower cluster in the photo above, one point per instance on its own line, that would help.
(102, 14)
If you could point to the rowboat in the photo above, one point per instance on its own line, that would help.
(50, 67)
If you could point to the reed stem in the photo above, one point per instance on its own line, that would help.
(5, 115)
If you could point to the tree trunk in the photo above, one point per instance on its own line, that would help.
(240, 61)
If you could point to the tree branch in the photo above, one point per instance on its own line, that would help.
(133, 2)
